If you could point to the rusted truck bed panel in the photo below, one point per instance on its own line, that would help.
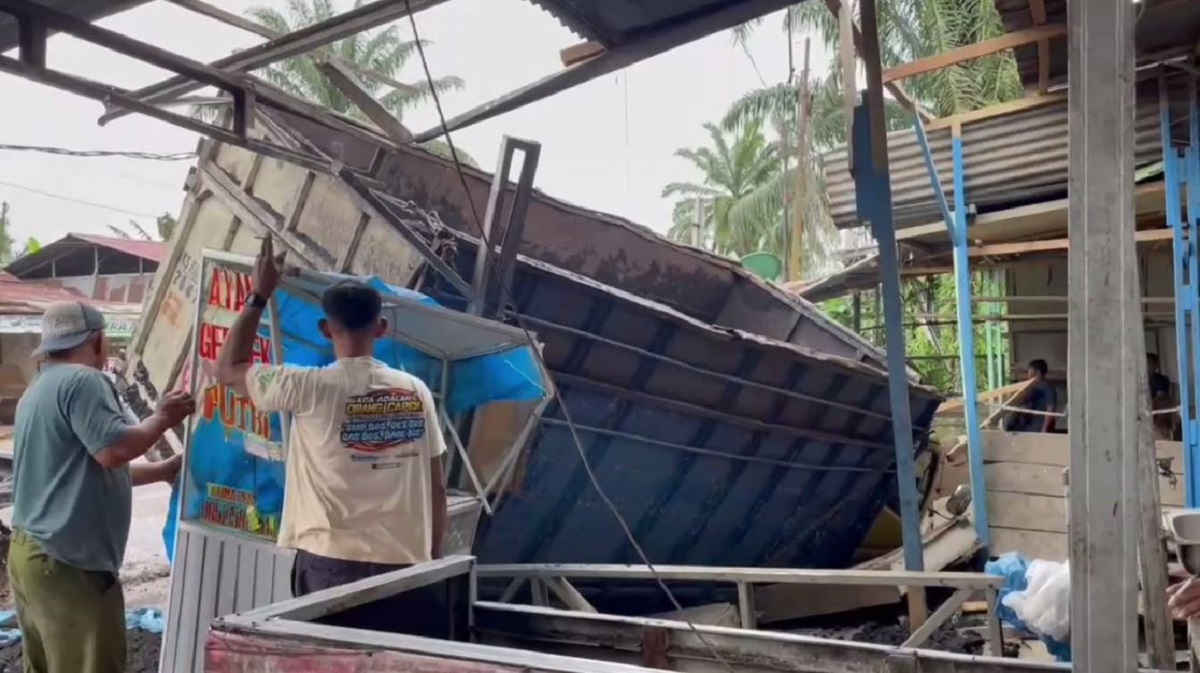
(604, 247)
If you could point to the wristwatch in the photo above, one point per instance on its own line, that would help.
(256, 300)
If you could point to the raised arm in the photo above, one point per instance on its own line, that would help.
(236, 353)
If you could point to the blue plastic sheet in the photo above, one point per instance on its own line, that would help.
(1012, 567)
(143, 619)
(227, 484)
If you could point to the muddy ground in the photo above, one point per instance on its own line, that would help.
(143, 650)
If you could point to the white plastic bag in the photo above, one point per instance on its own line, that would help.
(1045, 604)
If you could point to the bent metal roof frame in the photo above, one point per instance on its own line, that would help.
(621, 33)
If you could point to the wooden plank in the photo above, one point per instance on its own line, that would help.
(1031, 544)
(972, 51)
(1028, 512)
(998, 110)
(939, 617)
(736, 575)
(346, 82)
(583, 51)
(1025, 478)
(1026, 447)
(1055, 245)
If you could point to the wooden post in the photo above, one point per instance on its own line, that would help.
(800, 197)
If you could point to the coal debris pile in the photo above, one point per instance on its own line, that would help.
(142, 653)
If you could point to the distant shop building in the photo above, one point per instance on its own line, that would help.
(100, 268)
(22, 304)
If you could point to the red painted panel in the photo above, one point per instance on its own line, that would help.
(234, 653)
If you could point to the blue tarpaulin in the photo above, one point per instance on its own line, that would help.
(234, 488)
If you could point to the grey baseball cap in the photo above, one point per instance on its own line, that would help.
(66, 324)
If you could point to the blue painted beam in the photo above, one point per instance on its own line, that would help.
(1175, 171)
(956, 227)
(873, 191)
(966, 347)
(934, 179)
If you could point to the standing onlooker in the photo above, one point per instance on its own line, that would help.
(1040, 396)
(365, 490)
(71, 497)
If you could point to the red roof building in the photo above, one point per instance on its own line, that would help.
(99, 268)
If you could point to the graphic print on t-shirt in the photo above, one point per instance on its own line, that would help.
(382, 419)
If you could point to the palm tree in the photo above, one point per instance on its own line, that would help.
(384, 51)
(913, 29)
(734, 165)
(908, 29)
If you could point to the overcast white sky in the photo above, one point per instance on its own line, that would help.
(606, 145)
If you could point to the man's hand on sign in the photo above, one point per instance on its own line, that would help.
(176, 406)
(169, 469)
(267, 268)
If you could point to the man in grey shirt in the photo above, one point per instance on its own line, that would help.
(71, 497)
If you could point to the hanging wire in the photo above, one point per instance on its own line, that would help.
(485, 244)
(127, 154)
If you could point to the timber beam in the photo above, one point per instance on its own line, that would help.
(974, 51)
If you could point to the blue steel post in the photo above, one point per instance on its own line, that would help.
(956, 227)
(966, 346)
(1191, 183)
(873, 195)
(1185, 305)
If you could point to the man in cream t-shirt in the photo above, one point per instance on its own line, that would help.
(365, 492)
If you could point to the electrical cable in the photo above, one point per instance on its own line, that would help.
(127, 154)
(485, 244)
(81, 202)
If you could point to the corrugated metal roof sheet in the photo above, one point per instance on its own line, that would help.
(19, 297)
(1163, 26)
(1009, 161)
(73, 256)
(88, 10)
(153, 251)
(616, 22)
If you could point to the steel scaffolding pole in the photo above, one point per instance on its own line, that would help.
(956, 228)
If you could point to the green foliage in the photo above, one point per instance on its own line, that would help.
(6, 240)
(733, 167)
(930, 337)
(383, 51)
(165, 224)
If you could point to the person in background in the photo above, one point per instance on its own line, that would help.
(1160, 385)
(1039, 396)
(365, 489)
(72, 473)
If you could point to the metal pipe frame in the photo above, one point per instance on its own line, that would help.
(1187, 292)
(501, 263)
(364, 17)
(713, 19)
(746, 579)
(956, 228)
